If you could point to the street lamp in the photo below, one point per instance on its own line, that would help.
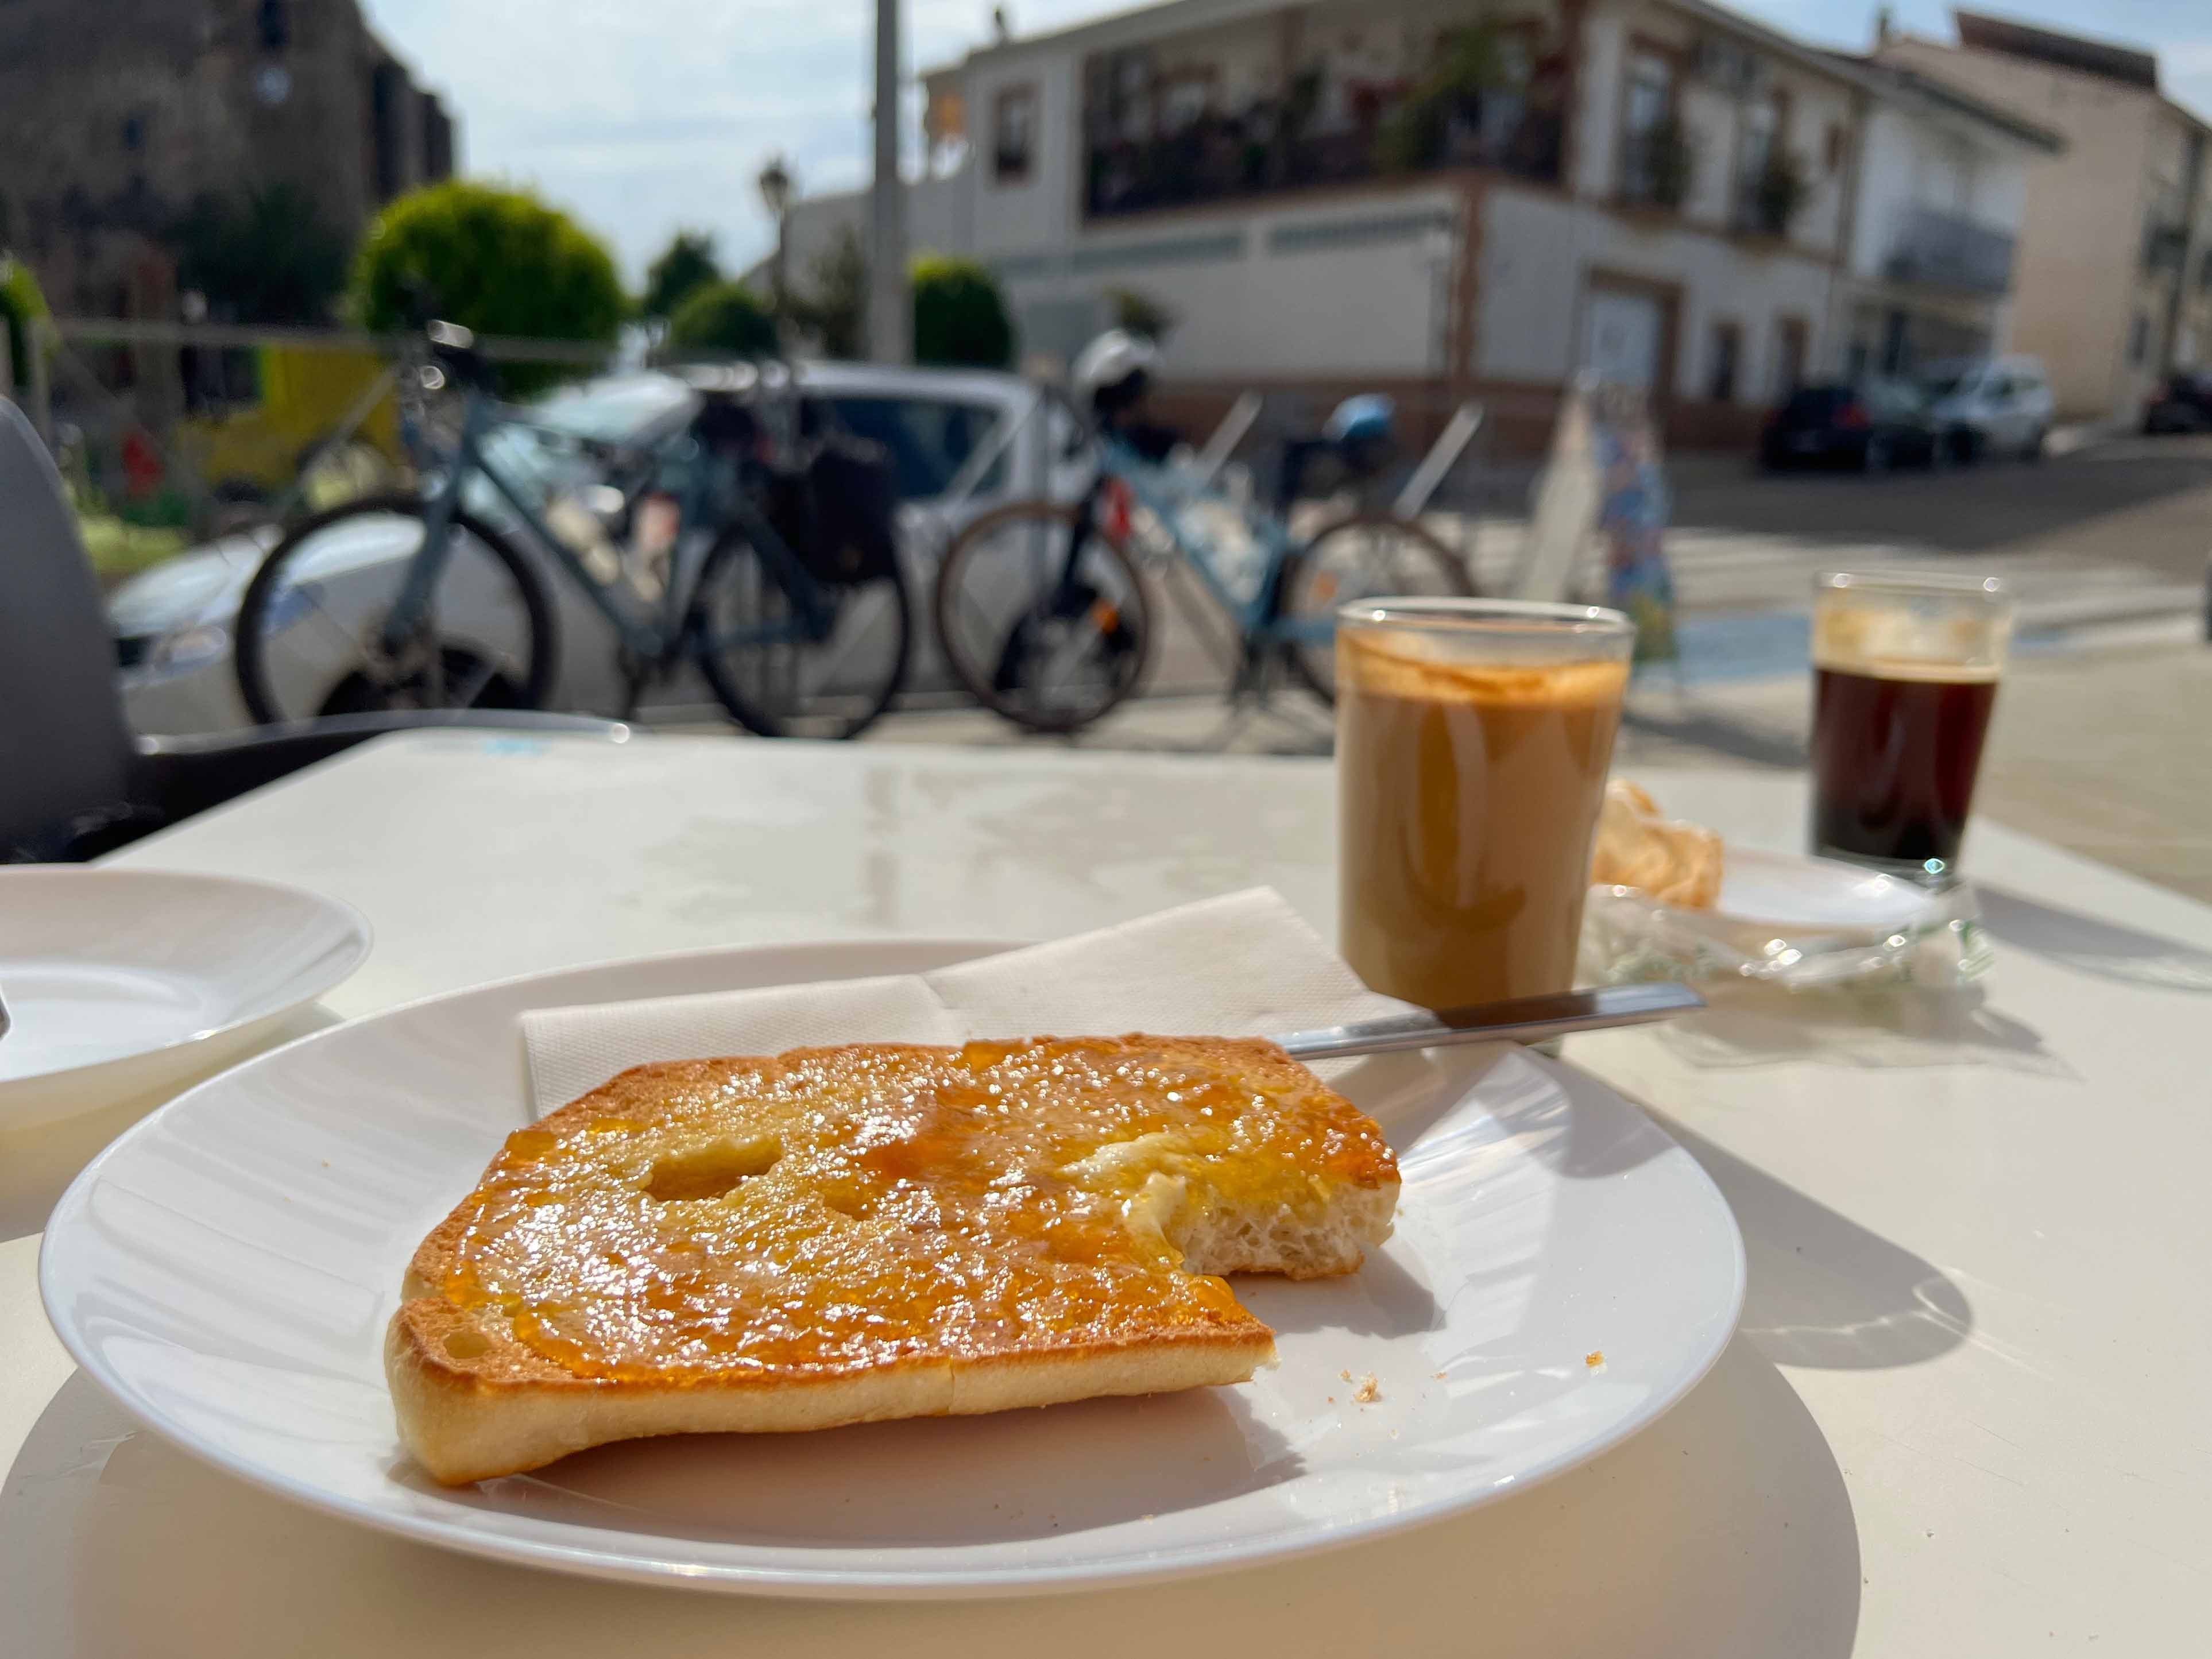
(775, 187)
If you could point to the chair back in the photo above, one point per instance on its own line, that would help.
(66, 754)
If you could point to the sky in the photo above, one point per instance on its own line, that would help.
(643, 116)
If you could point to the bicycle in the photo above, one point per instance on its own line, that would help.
(1043, 614)
(798, 620)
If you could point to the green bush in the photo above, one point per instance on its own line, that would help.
(498, 261)
(959, 318)
(21, 305)
(723, 318)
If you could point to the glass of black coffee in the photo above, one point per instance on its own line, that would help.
(1904, 674)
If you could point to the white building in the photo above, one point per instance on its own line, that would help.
(1444, 198)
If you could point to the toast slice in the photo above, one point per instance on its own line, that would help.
(846, 1234)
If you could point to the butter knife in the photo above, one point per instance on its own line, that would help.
(1524, 1019)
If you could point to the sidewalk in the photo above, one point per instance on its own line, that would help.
(2102, 745)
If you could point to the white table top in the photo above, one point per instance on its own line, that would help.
(1964, 1415)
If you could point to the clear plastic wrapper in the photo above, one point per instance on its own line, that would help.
(1627, 936)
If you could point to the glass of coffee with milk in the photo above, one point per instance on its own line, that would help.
(1473, 741)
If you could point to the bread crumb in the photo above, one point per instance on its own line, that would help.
(1594, 1358)
(1443, 1376)
(1346, 1376)
(1368, 1392)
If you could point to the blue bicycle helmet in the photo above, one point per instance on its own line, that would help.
(1364, 419)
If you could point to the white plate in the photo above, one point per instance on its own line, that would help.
(120, 981)
(1784, 891)
(226, 1269)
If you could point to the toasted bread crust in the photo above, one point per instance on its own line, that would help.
(474, 1401)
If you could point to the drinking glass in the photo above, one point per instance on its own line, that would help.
(1904, 673)
(1473, 741)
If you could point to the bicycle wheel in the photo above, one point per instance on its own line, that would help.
(772, 674)
(1369, 555)
(310, 627)
(1043, 649)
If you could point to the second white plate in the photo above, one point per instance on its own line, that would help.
(120, 981)
(1562, 1273)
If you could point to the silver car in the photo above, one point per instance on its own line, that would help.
(174, 624)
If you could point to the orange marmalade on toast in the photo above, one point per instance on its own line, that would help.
(834, 1209)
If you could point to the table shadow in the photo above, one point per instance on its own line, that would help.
(1724, 1528)
(2091, 945)
(1821, 1290)
(1886, 1028)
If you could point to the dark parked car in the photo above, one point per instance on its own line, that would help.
(2183, 402)
(1873, 425)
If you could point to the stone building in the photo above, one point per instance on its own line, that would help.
(116, 115)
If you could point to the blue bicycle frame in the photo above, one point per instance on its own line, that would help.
(1259, 619)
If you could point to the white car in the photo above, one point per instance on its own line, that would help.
(1992, 405)
(174, 624)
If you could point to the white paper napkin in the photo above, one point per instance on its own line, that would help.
(1244, 965)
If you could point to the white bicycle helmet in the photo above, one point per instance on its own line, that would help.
(1110, 373)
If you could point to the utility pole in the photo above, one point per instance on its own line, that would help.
(891, 311)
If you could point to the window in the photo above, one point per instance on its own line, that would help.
(1757, 146)
(1186, 98)
(929, 439)
(1013, 135)
(1652, 159)
(273, 23)
(134, 133)
(2139, 338)
(1722, 367)
(1833, 147)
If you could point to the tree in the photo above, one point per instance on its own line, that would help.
(268, 257)
(835, 306)
(688, 264)
(959, 318)
(723, 317)
(498, 261)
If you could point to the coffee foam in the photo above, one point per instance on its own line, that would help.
(1892, 644)
(1406, 665)
(1915, 671)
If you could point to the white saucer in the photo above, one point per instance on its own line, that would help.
(1562, 1273)
(119, 980)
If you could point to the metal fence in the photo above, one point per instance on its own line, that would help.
(168, 433)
